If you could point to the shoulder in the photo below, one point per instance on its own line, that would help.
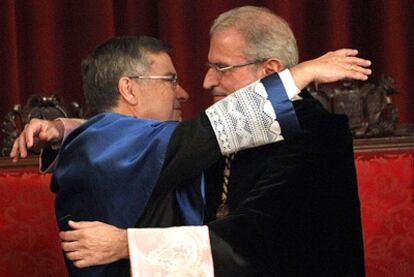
(111, 124)
(107, 129)
(313, 117)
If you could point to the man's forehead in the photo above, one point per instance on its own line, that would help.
(161, 63)
(226, 46)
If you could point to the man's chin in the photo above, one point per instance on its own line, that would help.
(177, 115)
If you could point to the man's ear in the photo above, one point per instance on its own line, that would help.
(272, 66)
(125, 89)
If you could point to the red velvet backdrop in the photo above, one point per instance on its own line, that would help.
(43, 41)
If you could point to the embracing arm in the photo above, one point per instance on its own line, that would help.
(333, 66)
(94, 243)
(343, 73)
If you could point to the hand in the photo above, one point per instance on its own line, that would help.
(331, 67)
(94, 243)
(36, 134)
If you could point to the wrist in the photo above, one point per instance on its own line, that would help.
(60, 129)
(302, 75)
(123, 251)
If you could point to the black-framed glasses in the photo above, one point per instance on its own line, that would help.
(173, 78)
(221, 69)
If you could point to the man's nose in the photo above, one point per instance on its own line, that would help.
(211, 79)
(182, 94)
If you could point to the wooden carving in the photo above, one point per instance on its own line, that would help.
(368, 106)
(44, 107)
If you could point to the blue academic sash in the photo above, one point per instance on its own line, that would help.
(285, 112)
(107, 170)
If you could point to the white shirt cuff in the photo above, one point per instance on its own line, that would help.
(291, 89)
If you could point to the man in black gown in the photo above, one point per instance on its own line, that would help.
(294, 206)
(285, 209)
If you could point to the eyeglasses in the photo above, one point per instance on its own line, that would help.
(169, 78)
(221, 69)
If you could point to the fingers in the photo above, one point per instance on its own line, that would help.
(19, 148)
(334, 66)
(357, 68)
(80, 259)
(346, 52)
(360, 70)
(357, 61)
(14, 154)
(70, 246)
(69, 235)
(74, 255)
(355, 75)
(77, 233)
(26, 139)
(82, 263)
(31, 130)
(82, 224)
(348, 57)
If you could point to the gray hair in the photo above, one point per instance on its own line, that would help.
(267, 35)
(115, 58)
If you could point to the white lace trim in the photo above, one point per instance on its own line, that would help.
(174, 251)
(244, 119)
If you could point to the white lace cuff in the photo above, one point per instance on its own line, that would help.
(174, 251)
(247, 118)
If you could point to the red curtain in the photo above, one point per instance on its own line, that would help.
(44, 41)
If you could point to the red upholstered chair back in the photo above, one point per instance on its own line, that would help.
(29, 241)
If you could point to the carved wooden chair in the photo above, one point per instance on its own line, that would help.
(44, 107)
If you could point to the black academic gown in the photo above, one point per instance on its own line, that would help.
(294, 205)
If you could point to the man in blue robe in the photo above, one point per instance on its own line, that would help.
(152, 209)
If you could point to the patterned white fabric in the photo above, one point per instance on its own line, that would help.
(244, 119)
(174, 251)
